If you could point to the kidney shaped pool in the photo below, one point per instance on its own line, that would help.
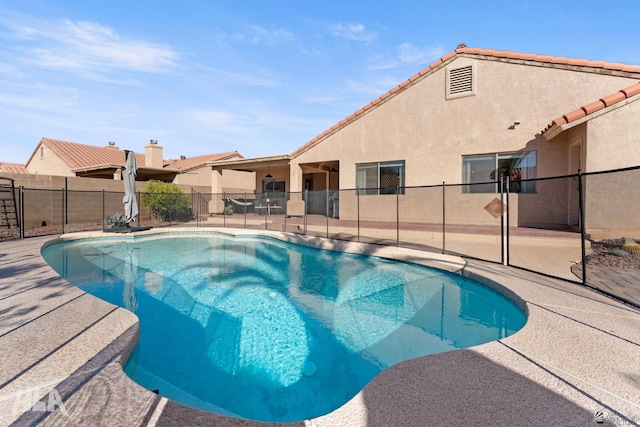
(258, 328)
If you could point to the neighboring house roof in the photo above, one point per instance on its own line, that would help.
(540, 60)
(616, 99)
(194, 162)
(13, 168)
(84, 156)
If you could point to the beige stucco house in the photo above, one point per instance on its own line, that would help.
(470, 117)
(70, 159)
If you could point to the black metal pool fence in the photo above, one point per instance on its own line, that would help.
(551, 226)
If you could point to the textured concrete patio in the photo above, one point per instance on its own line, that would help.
(62, 353)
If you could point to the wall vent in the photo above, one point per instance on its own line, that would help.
(461, 82)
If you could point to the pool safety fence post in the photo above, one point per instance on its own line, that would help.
(443, 215)
(306, 202)
(502, 239)
(139, 200)
(397, 216)
(224, 210)
(198, 201)
(582, 230)
(21, 199)
(326, 204)
(62, 210)
(358, 210)
(66, 200)
(508, 221)
(245, 209)
(284, 211)
(103, 218)
(266, 212)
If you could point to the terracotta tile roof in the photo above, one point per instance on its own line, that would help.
(79, 156)
(12, 168)
(197, 161)
(591, 108)
(82, 156)
(502, 54)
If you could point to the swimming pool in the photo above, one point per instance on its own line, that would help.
(262, 329)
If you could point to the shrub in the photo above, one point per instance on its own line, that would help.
(167, 201)
(116, 220)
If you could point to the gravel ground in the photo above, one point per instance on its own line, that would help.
(608, 253)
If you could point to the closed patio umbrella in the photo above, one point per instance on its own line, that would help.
(129, 177)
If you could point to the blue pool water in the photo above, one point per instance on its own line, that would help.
(261, 329)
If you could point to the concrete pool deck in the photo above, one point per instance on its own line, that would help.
(578, 354)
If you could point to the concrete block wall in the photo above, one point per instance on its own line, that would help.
(45, 203)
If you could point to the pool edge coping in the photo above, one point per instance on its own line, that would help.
(460, 266)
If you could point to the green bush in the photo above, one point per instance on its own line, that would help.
(167, 201)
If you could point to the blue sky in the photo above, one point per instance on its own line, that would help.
(260, 77)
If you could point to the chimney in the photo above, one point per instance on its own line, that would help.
(153, 155)
(112, 145)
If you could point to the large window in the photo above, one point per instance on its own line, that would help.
(380, 178)
(273, 185)
(486, 171)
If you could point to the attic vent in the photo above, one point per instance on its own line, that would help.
(460, 82)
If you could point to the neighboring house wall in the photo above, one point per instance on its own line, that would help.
(46, 162)
(232, 181)
(431, 134)
(198, 178)
(84, 198)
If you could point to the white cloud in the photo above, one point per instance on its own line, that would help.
(270, 36)
(255, 34)
(212, 117)
(356, 32)
(87, 48)
(243, 79)
(410, 54)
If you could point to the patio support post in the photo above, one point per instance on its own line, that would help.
(582, 231)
